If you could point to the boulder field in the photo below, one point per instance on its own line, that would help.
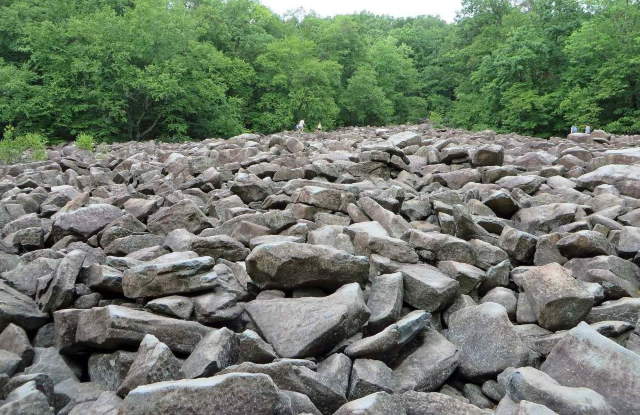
(406, 270)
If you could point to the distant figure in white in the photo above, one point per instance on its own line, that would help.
(574, 129)
(587, 129)
(300, 126)
(319, 127)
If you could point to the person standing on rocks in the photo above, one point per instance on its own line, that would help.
(300, 126)
(574, 129)
(587, 129)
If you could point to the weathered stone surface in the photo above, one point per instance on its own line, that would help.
(290, 265)
(218, 350)
(85, 221)
(584, 358)
(428, 366)
(109, 370)
(520, 246)
(26, 400)
(58, 291)
(19, 309)
(546, 218)
(584, 244)
(307, 326)
(153, 363)
(384, 345)
(298, 375)
(183, 215)
(172, 306)
(558, 300)
(487, 340)
(15, 340)
(369, 376)
(530, 384)
(427, 288)
(385, 301)
(421, 403)
(112, 327)
(624, 309)
(47, 360)
(153, 279)
(232, 394)
(622, 276)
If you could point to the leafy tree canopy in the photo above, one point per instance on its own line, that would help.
(140, 69)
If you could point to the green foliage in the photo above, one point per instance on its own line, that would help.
(85, 141)
(364, 101)
(175, 70)
(18, 148)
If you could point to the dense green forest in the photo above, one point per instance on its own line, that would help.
(141, 69)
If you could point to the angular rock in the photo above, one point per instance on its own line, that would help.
(529, 384)
(420, 403)
(380, 403)
(85, 221)
(558, 300)
(231, 394)
(114, 327)
(158, 279)
(308, 326)
(487, 340)
(19, 309)
(290, 265)
(153, 363)
(584, 358)
(388, 342)
(385, 301)
(218, 350)
(369, 376)
(183, 215)
(428, 366)
(426, 288)
(584, 244)
(58, 291)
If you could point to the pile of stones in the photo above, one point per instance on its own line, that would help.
(407, 270)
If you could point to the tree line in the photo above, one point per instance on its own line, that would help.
(142, 69)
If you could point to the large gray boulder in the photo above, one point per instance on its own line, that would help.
(231, 394)
(299, 376)
(85, 221)
(427, 288)
(487, 340)
(530, 384)
(428, 365)
(585, 358)
(216, 351)
(299, 327)
(385, 301)
(58, 291)
(584, 244)
(289, 265)
(369, 376)
(154, 362)
(620, 276)
(379, 403)
(610, 174)
(152, 279)
(558, 300)
(183, 215)
(421, 403)
(113, 327)
(17, 308)
(546, 218)
(384, 345)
